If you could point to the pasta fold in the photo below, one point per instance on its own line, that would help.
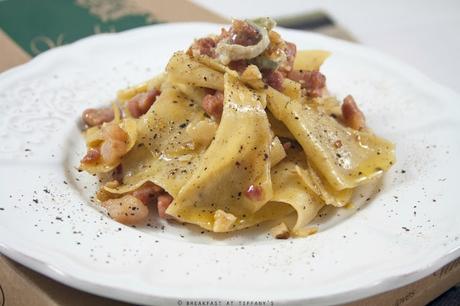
(237, 160)
(344, 157)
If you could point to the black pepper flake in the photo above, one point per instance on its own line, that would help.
(35, 200)
(1, 208)
(59, 218)
(403, 171)
(183, 125)
(405, 228)
(46, 191)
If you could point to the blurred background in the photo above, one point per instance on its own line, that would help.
(422, 33)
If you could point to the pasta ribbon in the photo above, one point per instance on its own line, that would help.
(359, 157)
(238, 158)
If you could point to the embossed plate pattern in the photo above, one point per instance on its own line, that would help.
(47, 220)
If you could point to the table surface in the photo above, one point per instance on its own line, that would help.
(422, 33)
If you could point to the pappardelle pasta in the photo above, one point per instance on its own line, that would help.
(238, 130)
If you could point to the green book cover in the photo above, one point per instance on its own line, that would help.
(37, 26)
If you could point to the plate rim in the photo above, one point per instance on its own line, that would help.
(383, 285)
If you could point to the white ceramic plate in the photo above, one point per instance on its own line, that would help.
(47, 222)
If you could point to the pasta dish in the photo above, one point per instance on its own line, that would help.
(239, 129)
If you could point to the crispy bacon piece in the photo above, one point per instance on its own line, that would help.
(254, 193)
(141, 103)
(274, 78)
(213, 104)
(239, 65)
(242, 33)
(352, 115)
(312, 81)
(163, 202)
(97, 116)
(148, 192)
(291, 51)
(203, 46)
(224, 34)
